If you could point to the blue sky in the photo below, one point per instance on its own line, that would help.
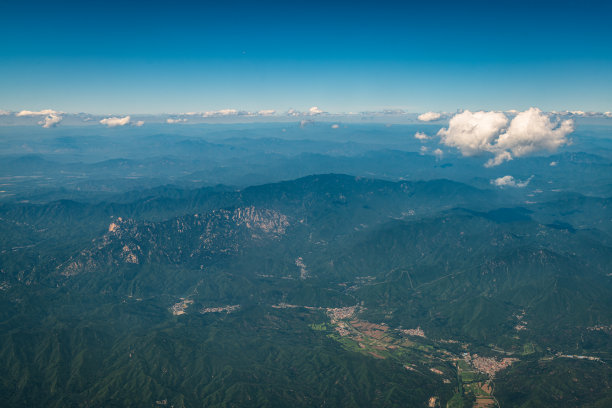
(153, 57)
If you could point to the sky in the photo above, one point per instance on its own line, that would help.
(170, 57)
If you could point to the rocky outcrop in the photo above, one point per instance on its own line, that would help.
(188, 239)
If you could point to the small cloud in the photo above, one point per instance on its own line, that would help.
(4, 112)
(315, 111)
(50, 120)
(438, 153)
(499, 159)
(43, 112)
(424, 149)
(393, 112)
(266, 112)
(306, 122)
(429, 116)
(226, 112)
(114, 121)
(51, 117)
(139, 123)
(221, 112)
(421, 136)
(178, 120)
(531, 131)
(335, 126)
(553, 163)
(509, 181)
(581, 114)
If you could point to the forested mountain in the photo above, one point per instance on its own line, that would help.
(325, 290)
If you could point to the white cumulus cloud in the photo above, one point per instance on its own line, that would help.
(51, 117)
(509, 181)
(473, 133)
(429, 116)
(421, 136)
(315, 111)
(114, 121)
(531, 131)
(335, 126)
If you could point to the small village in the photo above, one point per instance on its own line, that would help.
(488, 365)
(416, 352)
